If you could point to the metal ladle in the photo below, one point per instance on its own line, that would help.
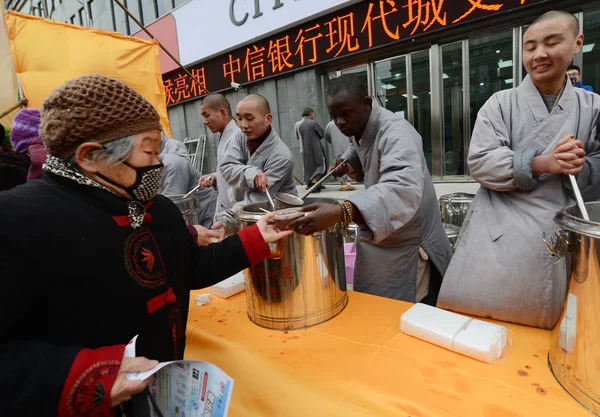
(270, 199)
(290, 200)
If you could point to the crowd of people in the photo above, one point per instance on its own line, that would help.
(114, 258)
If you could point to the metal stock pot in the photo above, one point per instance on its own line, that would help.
(452, 232)
(454, 207)
(574, 354)
(304, 286)
(189, 207)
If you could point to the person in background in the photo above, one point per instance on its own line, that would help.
(299, 138)
(339, 144)
(402, 250)
(113, 260)
(525, 143)
(315, 163)
(179, 175)
(25, 138)
(216, 111)
(574, 74)
(257, 159)
(14, 166)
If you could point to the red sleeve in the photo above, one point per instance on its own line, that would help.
(86, 391)
(254, 244)
(193, 232)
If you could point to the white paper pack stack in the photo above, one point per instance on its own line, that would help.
(481, 340)
(428, 323)
(230, 286)
(474, 338)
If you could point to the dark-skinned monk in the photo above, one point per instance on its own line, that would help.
(402, 248)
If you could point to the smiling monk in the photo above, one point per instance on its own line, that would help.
(525, 142)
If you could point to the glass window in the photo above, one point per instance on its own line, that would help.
(491, 67)
(90, 13)
(491, 70)
(590, 73)
(421, 85)
(453, 109)
(390, 85)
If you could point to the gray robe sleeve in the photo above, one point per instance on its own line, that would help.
(588, 179)
(491, 160)
(176, 175)
(353, 159)
(327, 134)
(393, 202)
(234, 169)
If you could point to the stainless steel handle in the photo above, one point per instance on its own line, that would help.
(558, 245)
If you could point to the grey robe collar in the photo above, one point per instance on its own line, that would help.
(229, 130)
(533, 98)
(371, 129)
(264, 148)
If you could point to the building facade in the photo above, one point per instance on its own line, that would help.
(434, 62)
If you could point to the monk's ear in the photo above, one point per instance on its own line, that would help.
(578, 43)
(368, 101)
(269, 118)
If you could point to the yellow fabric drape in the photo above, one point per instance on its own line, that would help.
(48, 53)
(8, 80)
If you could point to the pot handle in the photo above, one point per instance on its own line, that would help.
(558, 245)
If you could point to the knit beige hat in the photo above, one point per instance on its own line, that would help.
(93, 108)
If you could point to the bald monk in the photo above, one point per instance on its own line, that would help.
(256, 159)
(402, 250)
(216, 111)
(525, 142)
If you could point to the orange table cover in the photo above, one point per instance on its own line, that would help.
(360, 364)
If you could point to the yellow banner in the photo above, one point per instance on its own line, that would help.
(8, 80)
(48, 53)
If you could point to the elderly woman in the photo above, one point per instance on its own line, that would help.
(91, 256)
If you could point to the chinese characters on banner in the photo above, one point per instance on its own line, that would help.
(365, 25)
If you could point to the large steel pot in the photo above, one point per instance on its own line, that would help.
(452, 232)
(304, 286)
(574, 355)
(454, 207)
(189, 207)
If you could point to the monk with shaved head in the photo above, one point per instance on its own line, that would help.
(526, 141)
(256, 159)
(216, 111)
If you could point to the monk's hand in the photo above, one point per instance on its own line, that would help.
(123, 388)
(339, 167)
(568, 155)
(261, 182)
(269, 231)
(207, 181)
(320, 217)
(206, 237)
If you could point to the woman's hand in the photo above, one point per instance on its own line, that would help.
(270, 232)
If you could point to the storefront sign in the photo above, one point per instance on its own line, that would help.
(357, 28)
(207, 28)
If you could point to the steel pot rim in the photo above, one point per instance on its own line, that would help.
(577, 224)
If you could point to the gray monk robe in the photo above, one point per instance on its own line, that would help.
(399, 207)
(239, 169)
(311, 134)
(501, 268)
(223, 202)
